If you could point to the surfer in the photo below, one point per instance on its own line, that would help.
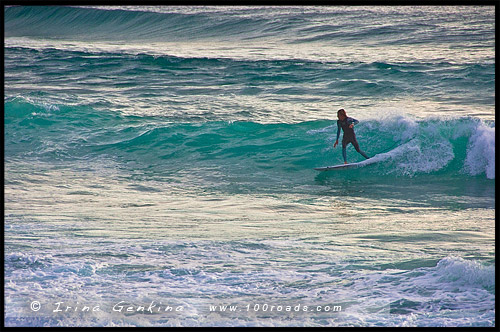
(347, 124)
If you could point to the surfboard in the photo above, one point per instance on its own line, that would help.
(338, 167)
(350, 165)
(379, 157)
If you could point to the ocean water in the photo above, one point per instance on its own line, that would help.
(159, 166)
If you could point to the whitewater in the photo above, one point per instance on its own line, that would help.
(159, 166)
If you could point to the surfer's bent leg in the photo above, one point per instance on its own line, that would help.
(356, 146)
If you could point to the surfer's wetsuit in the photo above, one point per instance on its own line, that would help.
(349, 136)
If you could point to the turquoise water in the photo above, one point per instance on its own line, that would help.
(162, 157)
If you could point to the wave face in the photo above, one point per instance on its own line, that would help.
(406, 147)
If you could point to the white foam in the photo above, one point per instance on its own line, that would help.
(427, 146)
(204, 273)
(458, 271)
(417, 157)
(481, 152)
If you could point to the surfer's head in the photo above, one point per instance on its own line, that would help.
(341, 114)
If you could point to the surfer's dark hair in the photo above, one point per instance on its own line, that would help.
(341, 111)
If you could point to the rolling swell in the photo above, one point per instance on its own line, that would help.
(103, 24)
(406, 147)
(293, 24)
(81, 22)
(152, 81)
